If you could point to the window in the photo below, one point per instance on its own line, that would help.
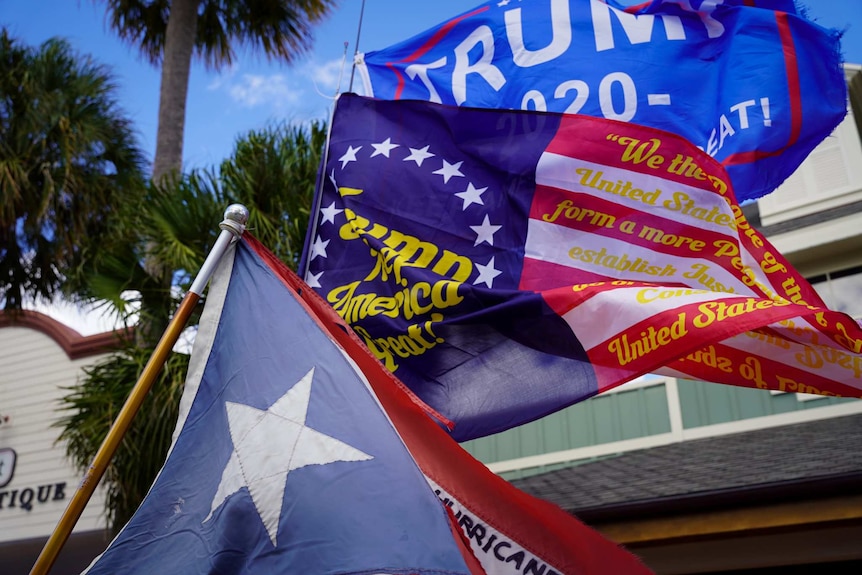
(841, 290)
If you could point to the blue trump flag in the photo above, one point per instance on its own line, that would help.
(751, 82)
(296, 452)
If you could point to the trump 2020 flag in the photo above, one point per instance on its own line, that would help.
(297, 452)
(506, 264)
(751, 82)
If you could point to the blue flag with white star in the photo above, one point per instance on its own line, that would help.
(283, 462)
(296, 451)
(753, 83)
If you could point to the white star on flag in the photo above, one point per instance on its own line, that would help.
(328, 213)
(319, 248)
(419, 155)
(349, 156)
(449, 171)
(487, 273)
(268, 445)
(471, 195)
(485, 232)
(383, 148)
(313, 280)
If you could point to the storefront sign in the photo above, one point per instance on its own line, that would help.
(26, 497)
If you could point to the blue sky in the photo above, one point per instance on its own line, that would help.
(223, 105)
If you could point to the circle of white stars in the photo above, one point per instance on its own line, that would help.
(469, 194)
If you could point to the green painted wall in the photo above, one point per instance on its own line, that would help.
(705, 403)
(629, 414)
(610, 417)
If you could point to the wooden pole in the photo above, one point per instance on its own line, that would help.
(232, 228)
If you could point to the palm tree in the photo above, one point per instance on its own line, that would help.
(171, 32)
(273, 172)
(173, 226)
(166, 235)
(67, 155)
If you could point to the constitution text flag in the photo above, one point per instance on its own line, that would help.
(505, 264)
(296, 451)
(751, 82)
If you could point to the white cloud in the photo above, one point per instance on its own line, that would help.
(329, 76)
(254, 90)
(223, 78)
(301, 91)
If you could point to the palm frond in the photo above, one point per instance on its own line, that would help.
(67, 155)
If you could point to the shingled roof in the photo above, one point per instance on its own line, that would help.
(806, 459)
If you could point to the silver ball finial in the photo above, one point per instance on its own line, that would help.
(237, 213)
(235, 218)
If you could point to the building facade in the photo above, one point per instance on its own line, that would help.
(40, 359)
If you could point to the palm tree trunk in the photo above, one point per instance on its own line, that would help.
(168, 162)
(179, 45)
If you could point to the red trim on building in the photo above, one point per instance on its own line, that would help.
(73, 343)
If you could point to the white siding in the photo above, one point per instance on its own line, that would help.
(34, 370)
(829, 177)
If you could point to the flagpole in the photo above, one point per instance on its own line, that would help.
(305, 262)
(356, 46)
(232, 227)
